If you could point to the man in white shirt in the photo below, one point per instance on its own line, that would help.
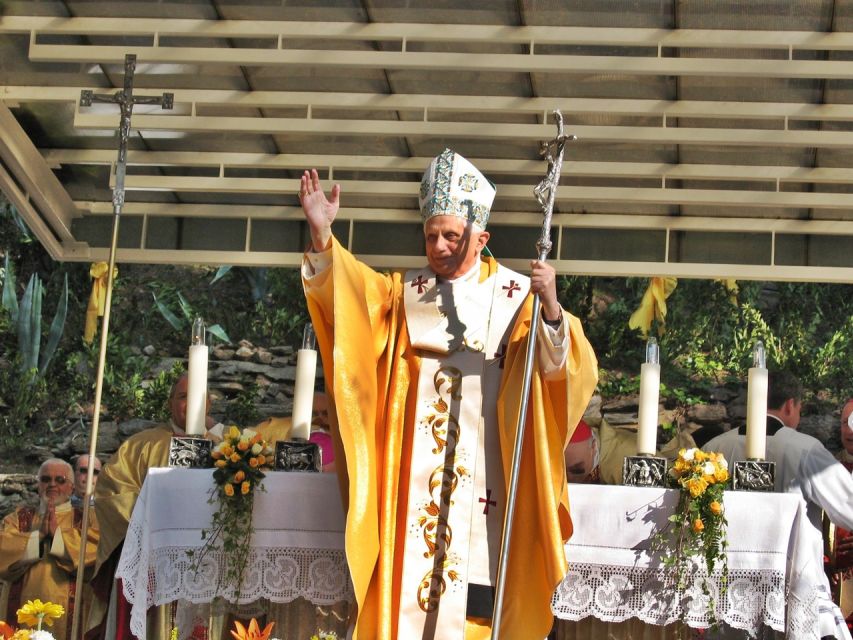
(803, 466)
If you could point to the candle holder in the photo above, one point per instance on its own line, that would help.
(644, 471)
(297, 455)
(190, 452)
(754, 474)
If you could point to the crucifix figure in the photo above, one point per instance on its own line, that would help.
(488, 501)
(125, 99)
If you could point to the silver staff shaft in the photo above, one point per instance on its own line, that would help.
(545, 193)
(125, 99)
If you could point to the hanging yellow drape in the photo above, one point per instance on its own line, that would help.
(98, 299)
(653, 305)
(732, 287)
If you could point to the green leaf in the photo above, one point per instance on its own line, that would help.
(221, 273)
(186, 307)
(217, 331)
(10, 299)
(29, 324)
(56, 329)
(170, 317)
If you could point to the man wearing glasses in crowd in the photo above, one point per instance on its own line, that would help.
(40, 547)
(81, 470)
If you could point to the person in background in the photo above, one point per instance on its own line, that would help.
(81, 471)
(582, 457)
(40, 548)
(842, 578)
(803, 467)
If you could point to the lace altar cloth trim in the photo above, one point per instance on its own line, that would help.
(614, 594)
(276, 574)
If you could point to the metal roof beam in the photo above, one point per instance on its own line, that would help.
(486, 62)
(417, 32)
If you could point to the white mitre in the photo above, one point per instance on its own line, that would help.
(452, 186)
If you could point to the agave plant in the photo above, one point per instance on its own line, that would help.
(26, 318)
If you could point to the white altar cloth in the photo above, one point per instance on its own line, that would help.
(297, 549)
(774, 578)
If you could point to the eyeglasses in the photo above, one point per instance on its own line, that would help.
(60, 480)
(85, 470)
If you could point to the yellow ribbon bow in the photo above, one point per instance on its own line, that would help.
(98, 299)
(653, 305)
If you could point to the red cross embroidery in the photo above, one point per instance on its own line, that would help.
(513, 286)
(420, 283)
(489, 502)
(501, 354)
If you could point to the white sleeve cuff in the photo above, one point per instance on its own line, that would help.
(32, 550)
(316, 262)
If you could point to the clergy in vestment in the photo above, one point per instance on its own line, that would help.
(844, 537)
(424, 371)
(40, 548)
(118, 488)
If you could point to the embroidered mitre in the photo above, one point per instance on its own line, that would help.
(452, 186)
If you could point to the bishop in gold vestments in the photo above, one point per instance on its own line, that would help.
(425, 371)
(40, 548)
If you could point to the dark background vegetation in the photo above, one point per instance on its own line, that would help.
(707, 341)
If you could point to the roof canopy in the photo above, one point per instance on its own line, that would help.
(715, 137)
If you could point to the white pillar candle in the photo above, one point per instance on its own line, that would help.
(647, 432)
(756, 413)
(303, 392)
(197, 391)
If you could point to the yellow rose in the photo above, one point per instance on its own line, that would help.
(716, 508)
(227, 450)
(220, 463)
(698, 525)
(235, 457)
(696, 486)
(239, 476)
(229, 490)
(244, 488)
(721, 475)
(233, 433)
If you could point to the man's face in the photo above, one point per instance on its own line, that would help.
(580, 459)
(320, 411)
(178, 403)
(82, 471)
(846, 429)
(452, 245)
(54, 483)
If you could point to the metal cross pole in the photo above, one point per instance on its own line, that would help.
(125, 99)
(545, 193)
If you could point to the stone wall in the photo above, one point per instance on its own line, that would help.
(232, 370)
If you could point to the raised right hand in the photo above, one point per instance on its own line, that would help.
(319, 211)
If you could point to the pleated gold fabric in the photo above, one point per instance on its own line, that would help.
(371, 375)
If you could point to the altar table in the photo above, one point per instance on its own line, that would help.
(774, 576)
(298, 551)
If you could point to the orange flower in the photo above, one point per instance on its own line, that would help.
(253, 632)
(698, 525)
(6, 631)
(253, 462)
(229, 490)
(216, 454)
(220, 463)
(261, 459)
(239, 476)
(716, 508)
(258, 438)
(235, 457)
(242, 445)
(244, 488)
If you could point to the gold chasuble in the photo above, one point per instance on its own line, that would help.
(45, 569)
(425, 376)
(121, 481)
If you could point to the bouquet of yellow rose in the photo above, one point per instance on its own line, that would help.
(698, 526)
(239, 461)
(34, 613)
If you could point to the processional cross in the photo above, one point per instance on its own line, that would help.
(125, 99)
